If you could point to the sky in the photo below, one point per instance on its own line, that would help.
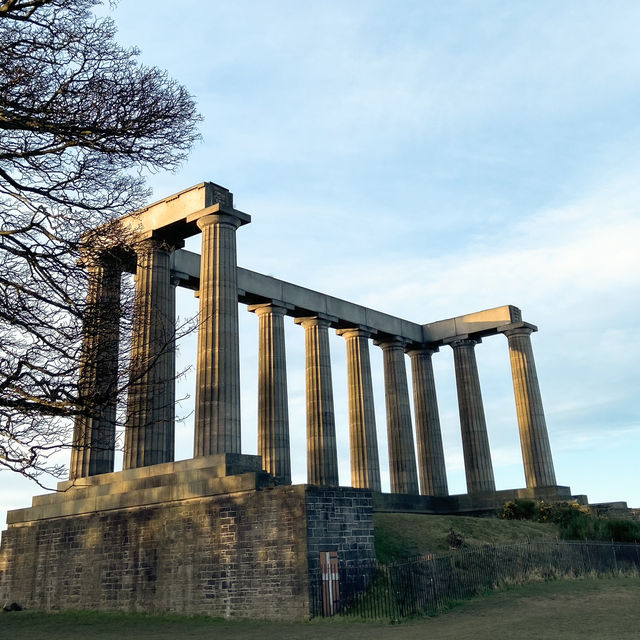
(428, 159)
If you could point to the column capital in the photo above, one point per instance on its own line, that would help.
(355, 332)
(392, 342)
(416, 350)
(275, 306)
(463, 341)
(518, 329)
(320, 320)
(220, 214)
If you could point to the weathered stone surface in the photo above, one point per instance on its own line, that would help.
(217, 419)
(402, 455)
(322, 453)
(475, 441)
(245, 552)
(534, 440)
(149, 425)
(273, 408)
(94, 436)
(365, 466)
(433, 473)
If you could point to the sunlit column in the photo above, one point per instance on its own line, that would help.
(475, 441)
(273, 412)
(534, 440)
(433, 473)
(365, 467)
(322, 455)
(94, 432)
(217, 419)
(148, 411)
(402, 457)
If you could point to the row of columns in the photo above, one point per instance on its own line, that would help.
(149, 425)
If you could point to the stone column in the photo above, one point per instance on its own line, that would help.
(273, 412)
(171, 371)
(365, 467)
(150, 396)
(475, 441)
(94, 433)
(322, 455)
(433, 473)
(217, 419)
(534, 440)
(402, 456)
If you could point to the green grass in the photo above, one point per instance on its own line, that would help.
(605, 608)
(402, 535)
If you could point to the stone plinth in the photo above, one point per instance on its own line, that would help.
(184, 538)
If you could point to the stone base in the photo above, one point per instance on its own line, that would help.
(467, 504)
(183, 537)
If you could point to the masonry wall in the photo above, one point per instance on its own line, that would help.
(248, 554)
(341, 520)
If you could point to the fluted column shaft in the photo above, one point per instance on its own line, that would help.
(273, 411)
(94, 433)
(475, 441)
(322, 455)
(365, 466)
(150, 397)
(534, 440)
(433, 473)
(402, 456)
(217, 419)
(171, 372)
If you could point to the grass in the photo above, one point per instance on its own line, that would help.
(404, 535)
(605, 608)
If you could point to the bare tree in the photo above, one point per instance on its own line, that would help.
(80, 121)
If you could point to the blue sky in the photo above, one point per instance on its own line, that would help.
(430, 159)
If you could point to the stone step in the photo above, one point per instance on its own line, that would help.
(234, 463)
(196, 487)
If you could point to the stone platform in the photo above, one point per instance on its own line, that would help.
(481, 503)
(213, 535)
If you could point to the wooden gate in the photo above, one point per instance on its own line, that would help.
(330, 582)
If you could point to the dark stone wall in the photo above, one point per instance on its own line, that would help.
(250, 554)
(341, 520)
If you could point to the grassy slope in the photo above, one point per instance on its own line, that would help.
(403, 535)
(606, 609)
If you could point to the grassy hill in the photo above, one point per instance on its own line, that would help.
(403, 535)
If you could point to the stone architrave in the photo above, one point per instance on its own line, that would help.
(534, 440)
(365, 466)
(94, 434)
(217, 419)
(322, 454)
(148, 404)
(273, 411)
(402, 456)
(431, 465)
(475, 441)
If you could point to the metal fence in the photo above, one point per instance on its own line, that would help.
(424, 585)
